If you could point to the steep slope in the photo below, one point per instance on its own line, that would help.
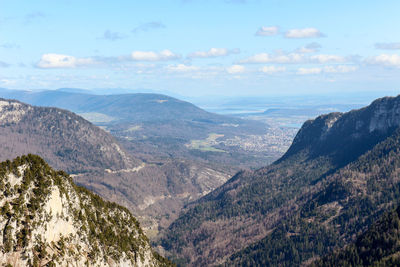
(167, 127)
(47, 220)
(378, 246)
(155, 190)
(339, 175)
(334, 211)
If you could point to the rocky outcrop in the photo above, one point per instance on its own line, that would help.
(356, 131)
(47, 220)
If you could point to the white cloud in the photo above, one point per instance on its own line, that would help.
(267, 31)
(279, 58)
(234, 69)
(306, 71)
(181, 68)
(387, 46)
(304, 33)
(153, 56)
(8, 82)
(49, 61)
(299, 56)
(327, 58)
(213, 52)
(391, 60)
(292, 58)
(272, 69)
(327, 69)
(309, 48)
(340, 69)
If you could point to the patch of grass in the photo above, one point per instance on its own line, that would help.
(206, 144)
(96, 117)
(134, 128)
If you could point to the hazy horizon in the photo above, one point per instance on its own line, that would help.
(201, 48)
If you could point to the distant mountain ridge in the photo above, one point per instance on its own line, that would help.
(168, 127)
(340, 174)
(124, 107)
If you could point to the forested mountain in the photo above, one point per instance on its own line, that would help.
(125, 107)
(340, 174)
(46, 220)
(378, 246)
(155, 190)
(62, 138)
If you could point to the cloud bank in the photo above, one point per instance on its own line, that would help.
(235, 69)
(291, 58)
(51, 61)
(213, 52)
(154, 56)
(304, 33)
(327, 69)
(267, 31)
(389, 60)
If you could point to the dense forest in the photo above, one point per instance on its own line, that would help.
(340, 175)
(378, 246)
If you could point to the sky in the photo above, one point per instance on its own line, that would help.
(202, 47)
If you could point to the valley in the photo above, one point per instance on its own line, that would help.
(97, 161)
(224, 133)
(153, 125)
(299, 207)
(198, 212)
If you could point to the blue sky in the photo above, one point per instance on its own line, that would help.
(202, 47)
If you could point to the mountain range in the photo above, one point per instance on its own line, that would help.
(155, 190)
(166, 127)
(340, 174)
(328, 201)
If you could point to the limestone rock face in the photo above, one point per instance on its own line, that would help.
(48, 220)
(386, 114)
(356, 131)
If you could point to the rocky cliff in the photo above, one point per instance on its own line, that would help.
(47, 220)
